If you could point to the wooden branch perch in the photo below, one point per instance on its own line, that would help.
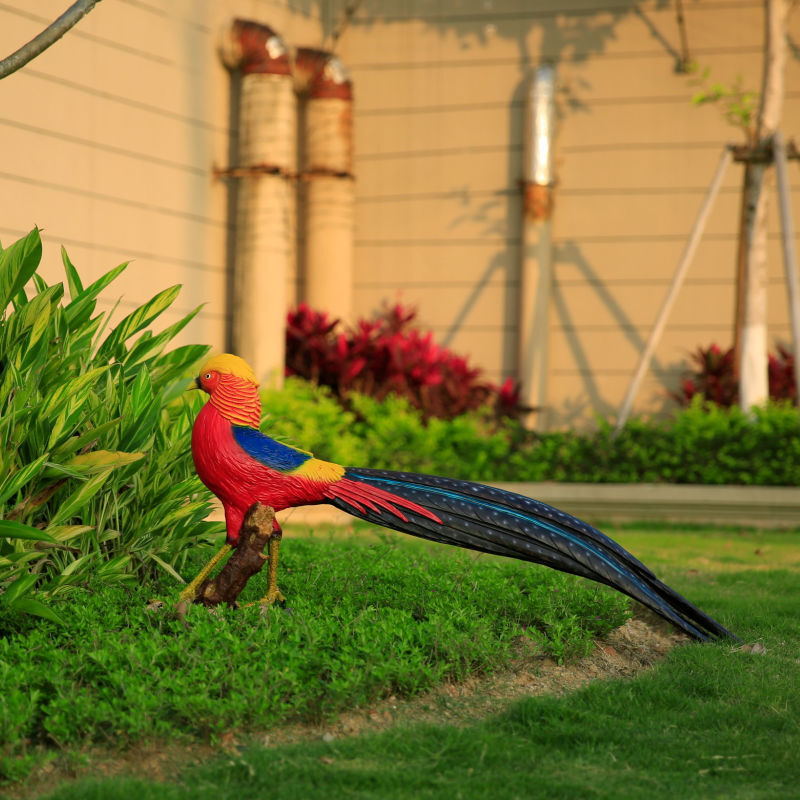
(246, 561)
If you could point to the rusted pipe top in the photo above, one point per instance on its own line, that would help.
(318, 74)
(254, 48)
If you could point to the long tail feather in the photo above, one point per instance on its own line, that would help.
(495, 521)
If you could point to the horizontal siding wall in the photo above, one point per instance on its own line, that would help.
(439, 133)
(109, 141)
(110, 137)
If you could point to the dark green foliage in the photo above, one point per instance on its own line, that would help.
(700, 444)
(363, 622)
(96, 477)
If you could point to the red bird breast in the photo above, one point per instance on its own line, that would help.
(239, 480)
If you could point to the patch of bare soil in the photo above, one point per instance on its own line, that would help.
(625, 652)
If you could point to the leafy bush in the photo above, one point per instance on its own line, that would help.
(385, 356)
(703, 443)
(714, 377)
(388, 434)
(96, 476)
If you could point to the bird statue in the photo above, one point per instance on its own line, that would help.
(243, 466)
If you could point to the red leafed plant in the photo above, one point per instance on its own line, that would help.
(386, 355)
(781, 376)
(714, 377)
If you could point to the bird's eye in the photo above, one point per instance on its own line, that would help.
(207, 376)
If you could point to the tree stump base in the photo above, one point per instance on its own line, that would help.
(247, 559)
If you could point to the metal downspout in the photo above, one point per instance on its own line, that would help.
(264, 248)
(537, 252)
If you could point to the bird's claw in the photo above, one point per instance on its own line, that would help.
(270, 598)
(275, 596)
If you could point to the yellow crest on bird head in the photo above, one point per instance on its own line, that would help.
(229, 364)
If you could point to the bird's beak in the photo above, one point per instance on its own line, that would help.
(195, 384)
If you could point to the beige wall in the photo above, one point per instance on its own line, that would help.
(439, 125)
(109, 138)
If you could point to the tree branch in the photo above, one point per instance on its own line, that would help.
(246, 561)
(51, 34)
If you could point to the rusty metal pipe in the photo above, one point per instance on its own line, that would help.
(324, 87)
(264, 249)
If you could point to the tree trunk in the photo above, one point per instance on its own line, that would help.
(753, 385)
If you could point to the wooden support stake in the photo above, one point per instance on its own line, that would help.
(677, 281)
(789, 255)
(247, 559)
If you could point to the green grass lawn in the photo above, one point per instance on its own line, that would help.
(710, 721)
(364, 621)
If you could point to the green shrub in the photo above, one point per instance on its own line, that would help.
(96, 475)
(700, 444)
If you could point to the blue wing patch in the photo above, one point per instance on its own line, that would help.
(269, 452)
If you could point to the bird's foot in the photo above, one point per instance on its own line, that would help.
(270, 598)
(187, 595)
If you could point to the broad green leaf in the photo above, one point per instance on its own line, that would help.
(114, 565)
(78, 499)
(20, 299)
(18, 263)
(16, 530)
(63, 533)
(71, 389)
(42, 304)
(141, 414)
(182, 359)
(73, 279)
(91, 463)
(79, 339)
(148, 346)
(179, 513)
(82, 306)
(20, 587)
(73, 565)
(137, 320)
(141, 393)
(87, 437)
(40, 325)
(57, 428)
(14, 482)
(31, 606)
(103, 459)
(36, 353)
(22, 557)
(167, 568)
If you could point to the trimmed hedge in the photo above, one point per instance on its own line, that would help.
(702, 444)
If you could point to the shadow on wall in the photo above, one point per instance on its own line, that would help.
(544, 32)
(592, 400)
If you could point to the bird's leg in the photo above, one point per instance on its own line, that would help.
(189, 592)
(273, 593)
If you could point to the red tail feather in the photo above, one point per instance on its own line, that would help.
(359, 495)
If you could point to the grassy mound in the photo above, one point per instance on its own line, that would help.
(362, 622)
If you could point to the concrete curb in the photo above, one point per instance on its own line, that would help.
(760, 506)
